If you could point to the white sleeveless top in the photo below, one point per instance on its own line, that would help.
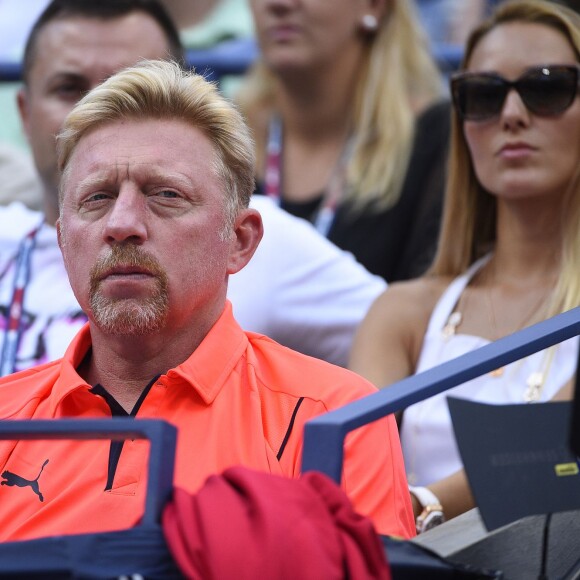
(427, 435)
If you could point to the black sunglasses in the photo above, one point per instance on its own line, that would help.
(545, 90)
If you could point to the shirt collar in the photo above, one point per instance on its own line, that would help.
(212, 362)
(206, 370)
(68, 379)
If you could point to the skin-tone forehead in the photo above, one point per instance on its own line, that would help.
(124, 148)
(515, 46)
(96, 48)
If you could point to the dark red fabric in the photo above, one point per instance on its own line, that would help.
(246, 524)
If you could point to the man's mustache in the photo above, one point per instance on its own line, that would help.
(126, 256)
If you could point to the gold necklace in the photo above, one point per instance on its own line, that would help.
(524, 322)
(535, 381)
(456, 317)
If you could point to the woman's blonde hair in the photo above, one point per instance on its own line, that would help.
(163, 90)
(469, 216)
(399, 74)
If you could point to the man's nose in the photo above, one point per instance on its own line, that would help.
(126, 220)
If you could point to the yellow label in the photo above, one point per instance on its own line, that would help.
(563, 469)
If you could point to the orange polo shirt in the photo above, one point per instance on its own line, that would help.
(240, 398)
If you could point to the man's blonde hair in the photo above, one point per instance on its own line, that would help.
(163, 90)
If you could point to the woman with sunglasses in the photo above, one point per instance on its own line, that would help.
(509, 250)
(347, 108)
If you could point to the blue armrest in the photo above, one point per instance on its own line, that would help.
(161, 435)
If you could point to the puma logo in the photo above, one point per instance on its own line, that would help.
(19, 481)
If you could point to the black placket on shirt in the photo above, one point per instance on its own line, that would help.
(118, 411)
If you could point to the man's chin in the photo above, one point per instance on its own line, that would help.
(129, 317)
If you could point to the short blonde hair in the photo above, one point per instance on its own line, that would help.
(399, 75)
(469, 216)
(163, 90)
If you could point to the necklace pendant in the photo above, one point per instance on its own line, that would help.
(451, 325)
(497, 373)
(533, 391)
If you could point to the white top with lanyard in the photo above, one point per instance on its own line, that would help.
(13, 330)
(39, 314)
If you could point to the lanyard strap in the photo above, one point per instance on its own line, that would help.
(274, 159)
(333, 192)
(14, 329)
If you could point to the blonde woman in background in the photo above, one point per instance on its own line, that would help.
(350, 128)
(510, 245)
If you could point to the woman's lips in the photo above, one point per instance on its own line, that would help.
(284, 32)
(516, 150)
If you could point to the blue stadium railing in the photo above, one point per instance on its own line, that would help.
(324, 436)
(233, 57)
(137, 552)
(162, 439)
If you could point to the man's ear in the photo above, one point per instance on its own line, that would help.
(59, 234)
(248, 231)
(23, 108)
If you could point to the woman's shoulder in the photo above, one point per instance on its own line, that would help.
(389, 340)
(416, 297)
(406, 307)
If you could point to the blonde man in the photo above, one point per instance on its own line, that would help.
(154, 218)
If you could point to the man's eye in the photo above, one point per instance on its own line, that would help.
(167, 193)
(96, 197)
(70, 92)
